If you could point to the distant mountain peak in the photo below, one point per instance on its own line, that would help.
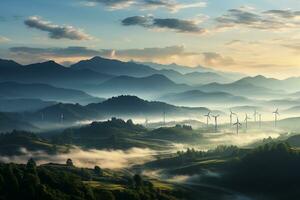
(51, 63)
(260, 76)
(98, 58)
(46, 64)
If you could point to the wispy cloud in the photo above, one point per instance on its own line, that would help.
(145, 53)
(153, 53)
(111, 159)
(4, 39)
(56, 31)
(58, 52)
(295, 47)
(266, 20)
(177, 25)
(171, 5)
(168, 54)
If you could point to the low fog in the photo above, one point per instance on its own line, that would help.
(117, 159)
(110, 159)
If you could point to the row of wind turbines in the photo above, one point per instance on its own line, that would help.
(238, 124)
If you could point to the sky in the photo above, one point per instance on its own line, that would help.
(252, 37)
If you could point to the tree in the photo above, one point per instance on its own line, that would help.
(138, 181)
(69, 163)
(11, 181)
(104, 194)
(98, 170)
(31, 166)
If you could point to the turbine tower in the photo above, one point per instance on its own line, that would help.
(238, 125)
(207, 118)
(255, 114)
(62, 118)
(246, 120)
(276, 113)
(146, 122)
(164, 116)
(216, 122)
(231, 114)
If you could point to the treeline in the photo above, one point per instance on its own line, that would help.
(66, 182)
(221, 150)
(269, 171)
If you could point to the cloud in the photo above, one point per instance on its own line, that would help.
(215, 59)
(137, 20)
(112, 4)
(59, 52)
(153, 53)
(4, 39)
(178, 25)
(56, 31)
(232, 42)
(127, 54)
(66, 56)
(111, 159)
(289, 14)
(267, 20)
(295, 47)
(171, 5)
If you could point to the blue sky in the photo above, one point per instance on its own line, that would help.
(257, 36)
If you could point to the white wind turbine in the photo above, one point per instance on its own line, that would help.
(255, 114)
(246, 120)
(62, 117)
(207, 118)
(276, 113)
(231, 114)
(146, 122)
(238, 125)
(216, 122)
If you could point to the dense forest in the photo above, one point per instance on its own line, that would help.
(67, 182)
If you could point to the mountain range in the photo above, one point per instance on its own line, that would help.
(121, 106)
(49, 72)
(132, 69)
(9, 122)
(185, 70)
(241, 88)
(148, 87)
(197, 97)
(289, 84)
(23, 105)
(16, 90)
(48, 83)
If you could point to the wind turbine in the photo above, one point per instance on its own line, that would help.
(231, 114)
(276, 113)
(246, 120)
(207, 118)
(216, 122)
(255, 114)
(62, 118)
(238, 125)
